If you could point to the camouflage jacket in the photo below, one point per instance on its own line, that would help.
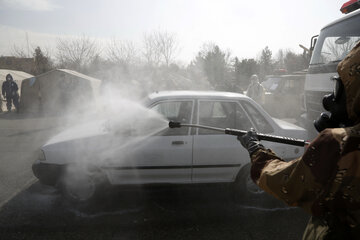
(325, 180)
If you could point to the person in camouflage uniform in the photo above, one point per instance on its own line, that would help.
(325, 181)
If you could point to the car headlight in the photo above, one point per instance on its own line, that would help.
(41, 155)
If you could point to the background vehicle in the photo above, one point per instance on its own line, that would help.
(287, 88)
(78, 159)
(333, 44)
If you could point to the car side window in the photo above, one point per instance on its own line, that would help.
(177, 111)
(221, 114)
(258, 119)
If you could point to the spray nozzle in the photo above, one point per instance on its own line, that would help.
(174, 124)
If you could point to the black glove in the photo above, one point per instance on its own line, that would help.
(250, 141)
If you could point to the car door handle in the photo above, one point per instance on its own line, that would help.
(177, 142)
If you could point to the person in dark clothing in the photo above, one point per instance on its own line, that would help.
(10, 93)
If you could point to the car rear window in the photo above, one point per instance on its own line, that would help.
(222, 114)
(258, 119)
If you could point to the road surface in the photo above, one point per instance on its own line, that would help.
(30, 210)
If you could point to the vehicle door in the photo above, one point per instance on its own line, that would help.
(164, 157)
(218, 157)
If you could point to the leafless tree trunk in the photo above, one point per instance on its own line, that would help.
(168, 46)
(151, 50)
(160, 47)
(19, 52)
(77, 53)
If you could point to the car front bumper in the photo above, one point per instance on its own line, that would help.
(48, 174)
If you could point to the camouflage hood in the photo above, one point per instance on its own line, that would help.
(349, 71)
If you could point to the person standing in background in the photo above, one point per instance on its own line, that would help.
(255, 90)
(10, 93)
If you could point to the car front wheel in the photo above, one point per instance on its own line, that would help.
(80, 185)
(244, 187)
(248, 193)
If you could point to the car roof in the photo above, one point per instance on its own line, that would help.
(195, 94)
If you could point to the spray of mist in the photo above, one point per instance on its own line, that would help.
(110, 131)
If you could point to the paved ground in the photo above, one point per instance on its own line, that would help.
(20, 137)
(29, 210)
(39, 212)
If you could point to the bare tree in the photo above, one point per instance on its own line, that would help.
(337, 48)
(123, 52)
(22, 51)
(206, 48)
(160, 47)
(42, 61)
(18, 51)
(214, 63)
(151, 50)
(280, 63)
(168, 46)
(76, 53)
(38, 62)
(266, 62)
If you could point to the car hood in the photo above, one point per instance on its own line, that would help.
(287, 125)
(90, 129)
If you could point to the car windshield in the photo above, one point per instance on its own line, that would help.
(335, 41)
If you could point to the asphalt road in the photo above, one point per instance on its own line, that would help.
(20, 137)
(30, 210)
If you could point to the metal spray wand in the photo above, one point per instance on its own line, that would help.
(237, 132)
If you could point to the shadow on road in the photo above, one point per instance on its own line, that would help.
(40, 212)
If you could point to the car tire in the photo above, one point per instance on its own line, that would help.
(244, 187)
(79, 185)
(248, 193)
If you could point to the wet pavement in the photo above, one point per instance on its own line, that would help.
(40, 212)
(30, 210)
(20, 138)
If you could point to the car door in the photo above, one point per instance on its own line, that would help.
(218, 157)
(164, 157)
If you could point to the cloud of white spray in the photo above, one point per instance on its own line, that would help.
(109, 131)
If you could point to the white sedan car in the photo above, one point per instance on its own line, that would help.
(81, 159)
